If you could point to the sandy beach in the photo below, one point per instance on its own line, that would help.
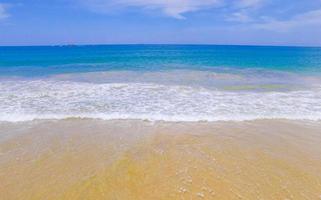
(122, 159)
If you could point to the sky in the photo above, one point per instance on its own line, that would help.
(239, 22)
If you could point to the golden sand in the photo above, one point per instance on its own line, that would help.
(92, 159)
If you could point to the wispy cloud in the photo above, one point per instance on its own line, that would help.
(248, 3)
(243, 9)
(172, 8)
(175, 8)
(310, 18)
(246, 12)
(3, 11)
(242, 17)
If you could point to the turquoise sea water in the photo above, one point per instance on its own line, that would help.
(160, 82)
(39, 61)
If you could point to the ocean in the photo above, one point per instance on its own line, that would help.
(160, 82)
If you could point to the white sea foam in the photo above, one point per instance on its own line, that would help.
(24, 100)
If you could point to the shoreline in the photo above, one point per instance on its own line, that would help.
(12, 119)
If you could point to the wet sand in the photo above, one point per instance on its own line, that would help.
(96, 159)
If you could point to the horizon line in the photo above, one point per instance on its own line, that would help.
(154, 44)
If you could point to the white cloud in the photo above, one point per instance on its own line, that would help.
(248, 3)
(311, 18)
(176, 8)
(172, 8)
(241, 17)
(243, 10)
(3, 11)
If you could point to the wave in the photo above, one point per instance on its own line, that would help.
(27, 100)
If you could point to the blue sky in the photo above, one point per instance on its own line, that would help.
(254, 22)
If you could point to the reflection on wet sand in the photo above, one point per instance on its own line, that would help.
(92, 159)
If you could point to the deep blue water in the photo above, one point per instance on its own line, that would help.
(47, 60)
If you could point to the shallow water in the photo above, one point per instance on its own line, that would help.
(169, 96)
